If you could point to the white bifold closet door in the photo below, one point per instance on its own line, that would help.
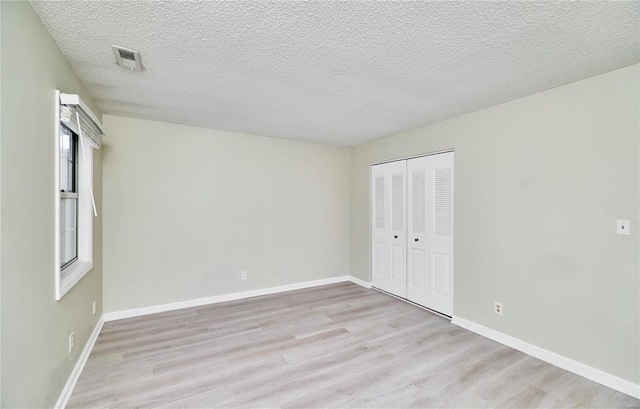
(389, 264)
(430, 233)
(412, 224)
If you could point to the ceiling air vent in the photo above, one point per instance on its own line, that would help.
(127, 58)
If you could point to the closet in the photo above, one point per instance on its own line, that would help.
(412, 230)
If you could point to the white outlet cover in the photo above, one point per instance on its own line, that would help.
(623, 227)
(499, 311)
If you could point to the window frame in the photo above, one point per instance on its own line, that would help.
(66, 277)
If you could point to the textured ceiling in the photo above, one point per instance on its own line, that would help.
(334, 72)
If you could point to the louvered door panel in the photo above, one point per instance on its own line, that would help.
(397, 202)
(378, 189)
(398, 241)
(417, 171)
(440, 237)
(378, 251)
(442, 201)
(389, 227)
(418, 201)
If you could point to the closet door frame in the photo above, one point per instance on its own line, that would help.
(371, 227)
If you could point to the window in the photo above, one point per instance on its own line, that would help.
(68, 196)
(77, 133)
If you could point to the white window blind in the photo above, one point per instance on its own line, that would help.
(71, 116)
(78, 117)
(87, 171)
(70, 104)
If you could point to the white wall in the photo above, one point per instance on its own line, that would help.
(35, 327)
(539, 184)
(187, 209)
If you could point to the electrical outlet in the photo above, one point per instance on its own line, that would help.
(243, 275)
(71, 342)
(623, 227)
(94, 308)
(497, 308)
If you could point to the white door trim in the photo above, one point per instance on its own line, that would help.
(412, 157)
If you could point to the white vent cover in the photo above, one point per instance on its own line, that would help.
(127, 58)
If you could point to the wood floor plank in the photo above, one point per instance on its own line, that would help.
(258, 386)
(207, 379)
(146, 341)
(94, 385)
(97, 360)
(174, 355)
(354, 339)
(531, 397)
(206, 400)
(453, 385)
(295, 389)
(468, 400)
(338, 345)
(510, 381)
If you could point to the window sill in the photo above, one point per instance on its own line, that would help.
(72, 274)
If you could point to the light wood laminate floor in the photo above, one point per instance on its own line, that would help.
(333, 346)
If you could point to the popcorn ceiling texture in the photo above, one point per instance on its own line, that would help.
(334, 72)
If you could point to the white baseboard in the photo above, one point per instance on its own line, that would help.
(586, 371)
(360, 282)
(77, 369)
(136, 312)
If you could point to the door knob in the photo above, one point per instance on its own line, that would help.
(395, 237)
(416, 239)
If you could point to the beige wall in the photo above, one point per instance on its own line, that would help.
(539, 184)
(35, 328)
(187, 209)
